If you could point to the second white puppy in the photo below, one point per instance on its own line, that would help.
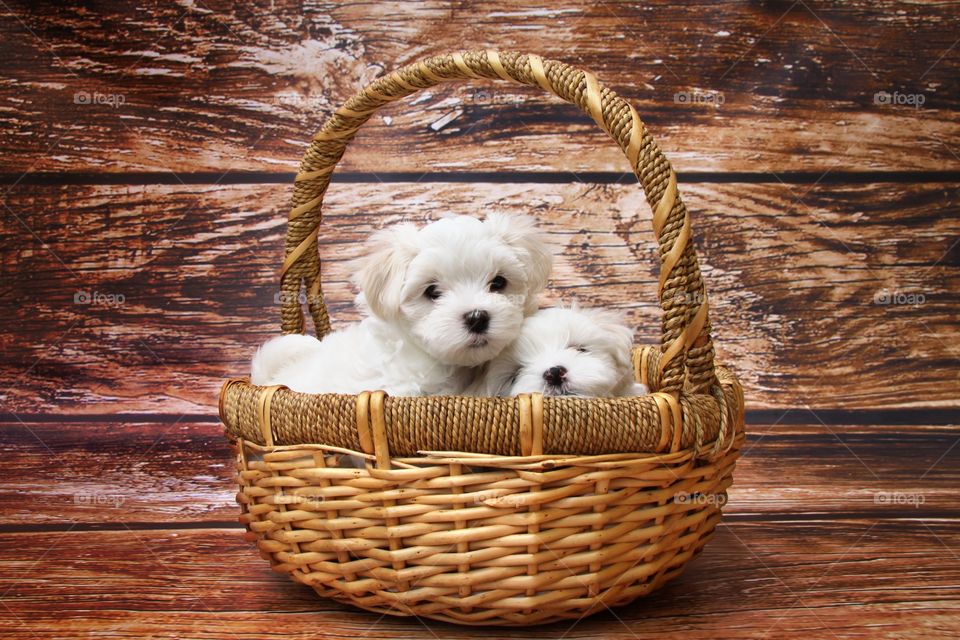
(566, 352)
(442, 300)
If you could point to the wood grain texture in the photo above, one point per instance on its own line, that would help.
(145, 298)
(142, 298)
(754, 580)
(216, 86)
(101, 473)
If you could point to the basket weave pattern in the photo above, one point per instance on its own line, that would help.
(491, 510)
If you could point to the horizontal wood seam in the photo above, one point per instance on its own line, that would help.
(934, 416)
(497, 177)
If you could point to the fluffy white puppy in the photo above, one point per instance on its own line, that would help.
(440, 301)
(565, 352)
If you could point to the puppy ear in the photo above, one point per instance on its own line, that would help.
(613, 323)
(521, 233)
(500, 378)
(380, 273)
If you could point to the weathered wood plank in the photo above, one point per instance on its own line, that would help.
(144, 298)
(97, 473)
(114, 472)
(887, 579)
(219, 86)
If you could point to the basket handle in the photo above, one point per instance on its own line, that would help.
(686, 346)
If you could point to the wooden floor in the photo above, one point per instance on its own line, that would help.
(147, 156)
(127, 530)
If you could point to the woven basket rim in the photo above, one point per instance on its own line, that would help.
(540, 462)
(563, 426)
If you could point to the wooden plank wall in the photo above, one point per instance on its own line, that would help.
(146, 155)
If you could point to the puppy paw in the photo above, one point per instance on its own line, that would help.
(276, 355)
(637, 389)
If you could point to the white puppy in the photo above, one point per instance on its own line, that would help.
(565, 352)
(441, 300)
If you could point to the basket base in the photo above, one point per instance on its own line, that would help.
(466, 611)
(508, 541)
(487, 608)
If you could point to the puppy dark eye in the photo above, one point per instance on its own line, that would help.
(581, 348)
(498, 284)
(432, 292)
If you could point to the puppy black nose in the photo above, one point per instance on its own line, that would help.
(477, 321)
(555, 375)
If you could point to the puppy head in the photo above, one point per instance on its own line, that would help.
(459, 287)
(568, 352)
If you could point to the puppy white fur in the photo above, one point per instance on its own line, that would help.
(441, 301)
(565, 352)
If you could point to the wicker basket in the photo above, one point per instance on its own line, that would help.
(491, 510)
